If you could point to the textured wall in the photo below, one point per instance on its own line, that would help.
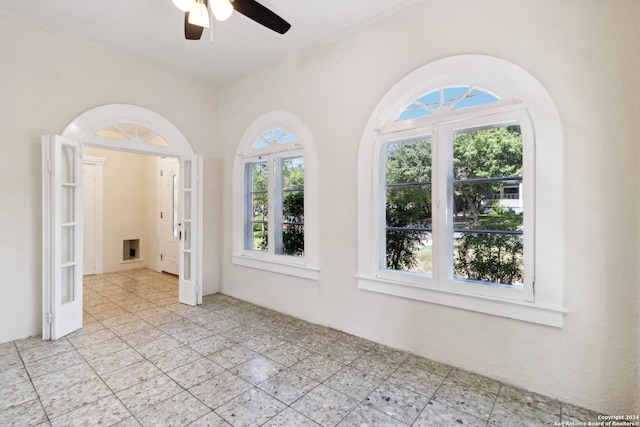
(584, 53)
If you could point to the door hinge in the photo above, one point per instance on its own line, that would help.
(50, 317)
(161, 172)
(160, 215)
(160, 257)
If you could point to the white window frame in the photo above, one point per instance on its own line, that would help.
(304, 266)
(523, 99)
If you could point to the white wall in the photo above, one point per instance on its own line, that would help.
(46, 81)
(585, 54)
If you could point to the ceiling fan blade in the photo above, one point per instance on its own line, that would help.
(254, 10)
(191, 32)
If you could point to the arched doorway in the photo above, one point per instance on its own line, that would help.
(118, 127)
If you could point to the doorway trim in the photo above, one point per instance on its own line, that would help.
(87, 126)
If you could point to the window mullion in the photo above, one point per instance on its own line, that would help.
(275, 187)
(442, 159)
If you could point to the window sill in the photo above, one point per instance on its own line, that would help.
(519, 310)
(277, 266)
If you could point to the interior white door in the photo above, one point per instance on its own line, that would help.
(170, 216)
(190, 291)
(62, 236)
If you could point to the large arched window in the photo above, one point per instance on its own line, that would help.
(450, 166)
(275, 220)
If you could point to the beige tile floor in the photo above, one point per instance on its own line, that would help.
(144, 359)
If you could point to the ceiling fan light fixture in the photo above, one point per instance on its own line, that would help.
(199, 14)
(222, 9)
(184, 5)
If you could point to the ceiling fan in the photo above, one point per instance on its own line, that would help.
(199, 13)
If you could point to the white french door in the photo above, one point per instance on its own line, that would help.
(62, 236)
(190, 291)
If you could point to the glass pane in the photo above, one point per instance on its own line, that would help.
(186, 258)
(127, 129)
(293, 173)
(67, 243)
(111, 133)
(67, 204)
(174, 192)
(260, 176)
(68, 164)
(143, 132)
(475, 97)
(293, 239)
(274, 136)
(488, 210)
(408, 207)
(409, 162)
(454, 97)
(293, 207)
(186, 235)
(260, 237)
(186, 174)
(187, 205)
(452, 94)
(260, 206)
(67, 282)
(157, 141)
(488, 205)
(409, 250)
(489, 258)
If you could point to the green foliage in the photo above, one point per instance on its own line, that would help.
(260, 205)
(495, 258)
(407, 205)
(486, 153)
(293, 223)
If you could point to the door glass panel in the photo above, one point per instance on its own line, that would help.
(68, 165)
(186, 235)
(187, 204)
(67, 235)
(175, 205)
(67, 207)
(67, 284)
(187, 266)
(186, 175)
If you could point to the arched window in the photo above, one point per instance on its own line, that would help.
(448, 165)
(275, 217)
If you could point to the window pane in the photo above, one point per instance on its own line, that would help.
(489, 258)
(487, 206)
(292, 197)
(260, 236)
(293, 239)
(408, 206)
(259, 208)
(293, 174)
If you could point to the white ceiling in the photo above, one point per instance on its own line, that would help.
(152, 30)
